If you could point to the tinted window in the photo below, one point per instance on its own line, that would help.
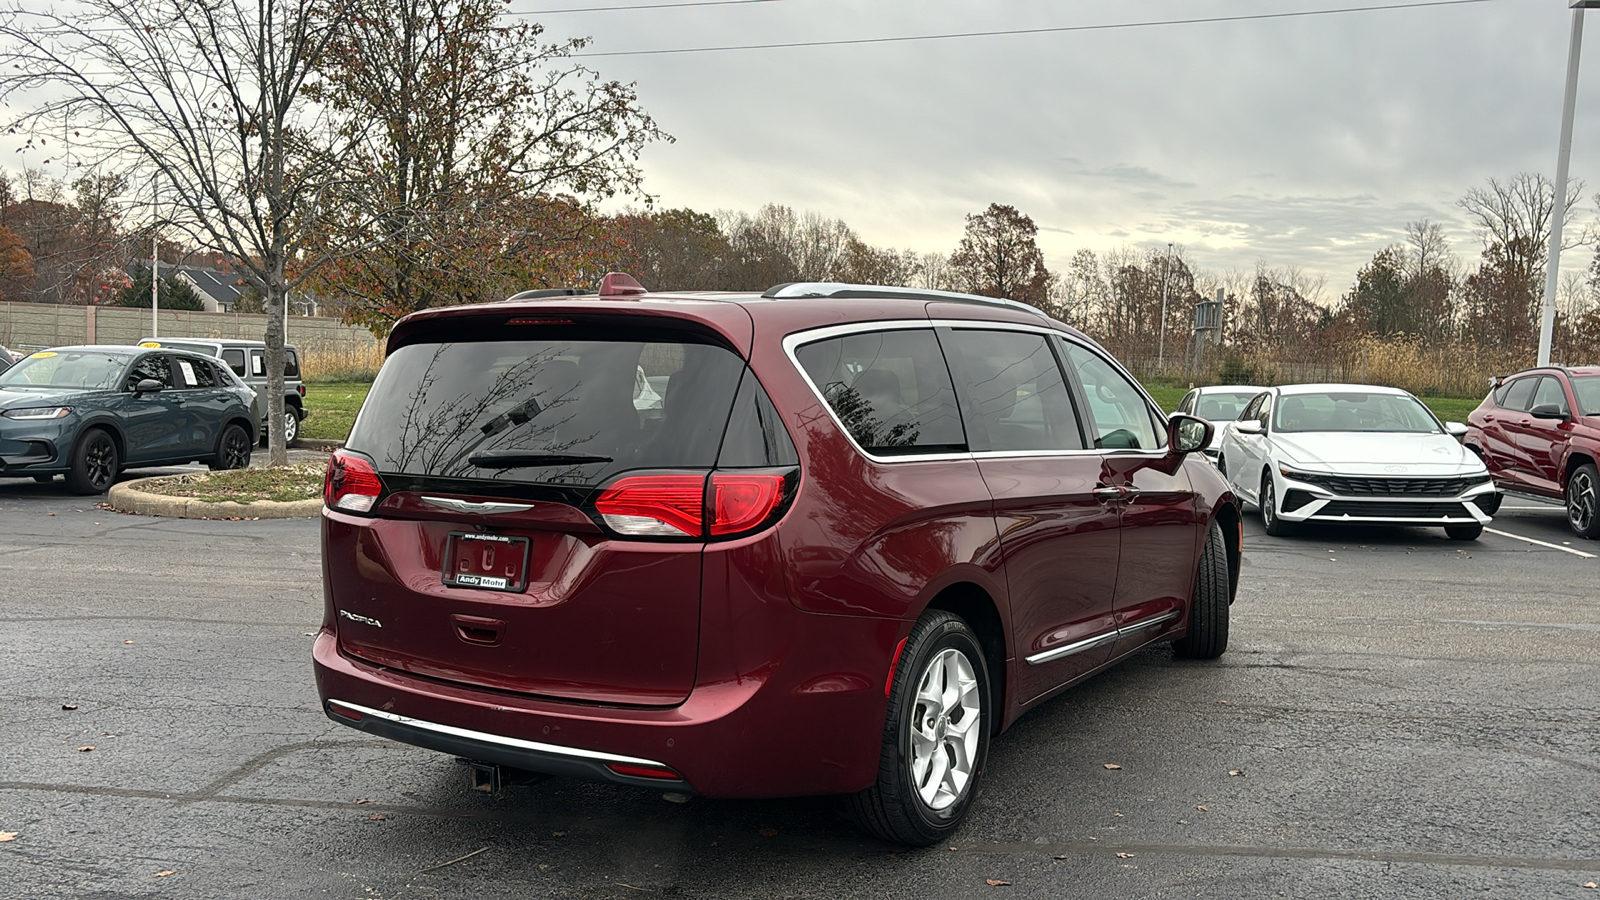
(235, 361)
(258, 366)
(1587, 389)
(88, 369)
(152, 365)
(1221, 407)
(1353, 411)
(1549, 393)
(291, 363)
(1015, 396)
(1187, 403)
(196, 373)
(1519, 393)
(755, 437)
(1253, 408)
(891, 390)
(553, 411)
(1121, 416)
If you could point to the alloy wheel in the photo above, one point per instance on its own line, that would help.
(236, 449)
(100, 461)
(944, 729)
(1581, 502)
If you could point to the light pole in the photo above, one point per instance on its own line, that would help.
(1547, 313)
(1166, 280)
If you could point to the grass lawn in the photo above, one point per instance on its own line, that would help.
(331, 408)
(243, 485)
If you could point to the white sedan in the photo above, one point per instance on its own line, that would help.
(1219, 405)
(1354, 454)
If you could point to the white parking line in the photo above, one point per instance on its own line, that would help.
(1530, 540)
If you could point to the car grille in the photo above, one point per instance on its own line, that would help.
(1381, 510)
(1348, 486)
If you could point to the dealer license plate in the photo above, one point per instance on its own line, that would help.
(491, 562)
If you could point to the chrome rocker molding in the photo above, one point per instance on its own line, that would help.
(531, 756)
(1092, 642)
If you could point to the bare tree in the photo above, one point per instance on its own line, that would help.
(204, 97)
(1516, 216)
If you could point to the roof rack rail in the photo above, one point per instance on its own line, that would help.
(549, 292)
(837, 291)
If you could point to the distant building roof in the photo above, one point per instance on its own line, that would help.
(223, 287)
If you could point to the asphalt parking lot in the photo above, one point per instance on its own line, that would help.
(1398, 716)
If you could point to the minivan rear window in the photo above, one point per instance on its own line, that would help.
(548, 411)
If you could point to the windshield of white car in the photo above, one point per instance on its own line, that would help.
(1587, 387)
(91, 370)
(1222, 406)
(1353, 411)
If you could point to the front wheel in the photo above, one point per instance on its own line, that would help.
(1463, 532)
(935, 736)
(1207, 637)
(1269, 509)
(1583, 510)
(95, 464)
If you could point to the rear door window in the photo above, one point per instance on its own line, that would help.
(1519, 394)
(291, 363)
(548, 411)
(1015, 396)
(235, 361)
(890, 389)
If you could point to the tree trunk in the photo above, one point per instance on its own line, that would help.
(277, 293)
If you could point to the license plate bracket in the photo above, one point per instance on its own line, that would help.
(486, 562)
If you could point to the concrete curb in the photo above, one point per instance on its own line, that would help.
(126, 497)
(317, 444)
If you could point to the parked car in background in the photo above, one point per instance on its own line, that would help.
(1355, 454)
(1219, 405)
(247, 359)
(866, 530)
(1538, 431)
(7, 359)
(90, 412)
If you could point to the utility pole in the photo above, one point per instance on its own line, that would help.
(155, 265)
(1161, 345)
(1547, 313)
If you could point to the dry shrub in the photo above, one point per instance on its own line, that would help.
(340, 360)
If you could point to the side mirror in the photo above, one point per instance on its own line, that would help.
(1455, 429)
(1186, 433)
(1248, 426)
(1547, 411)
(147, 386)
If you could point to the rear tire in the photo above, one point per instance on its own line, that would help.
(1463, 532)
(1583, 501)
(291, 426)
(233, 449)
(935, 736)
(1207, 637)
(1268, 502)
(95, 463)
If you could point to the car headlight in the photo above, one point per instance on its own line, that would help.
(1296, 474)
(35, 413)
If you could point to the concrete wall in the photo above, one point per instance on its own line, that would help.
(32, 326)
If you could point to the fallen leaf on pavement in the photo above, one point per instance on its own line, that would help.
(69, 706)
(361, 800)
(1112, 766)
(7, 836)
(85, 749)
(952, 849)
(1059, 856)
(377, 817)
(165, 874)
(1202, 809)
(1125, 856)
(1591, 885)
(127, 642)
(558, 834)
(995, 882)
(768, 832)
(1237, 773)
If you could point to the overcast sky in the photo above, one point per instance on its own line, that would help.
(1306, 142)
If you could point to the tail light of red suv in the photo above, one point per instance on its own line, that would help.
(685, 505)
(351, 483)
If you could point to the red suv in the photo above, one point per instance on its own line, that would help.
(823, 540)
(1538, 431)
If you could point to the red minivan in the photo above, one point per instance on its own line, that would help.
(828, 539)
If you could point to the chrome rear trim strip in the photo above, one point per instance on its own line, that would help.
(487, 508)
(501, 740)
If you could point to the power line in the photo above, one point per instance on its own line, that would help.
(1024, 31)
(584, 9)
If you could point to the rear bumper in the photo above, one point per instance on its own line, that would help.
(808, 722)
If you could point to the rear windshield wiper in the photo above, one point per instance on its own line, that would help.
(517, 459)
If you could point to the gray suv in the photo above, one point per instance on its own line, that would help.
(247, 359)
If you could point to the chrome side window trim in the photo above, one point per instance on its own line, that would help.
(501, 740)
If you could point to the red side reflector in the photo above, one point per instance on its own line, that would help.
(344, 713)
(743, 501)
(888, 683)
(644, 772)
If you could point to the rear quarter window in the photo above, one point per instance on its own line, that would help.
(890, 389)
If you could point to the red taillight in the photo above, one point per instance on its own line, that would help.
(644, 772)
(351, 484)
(655, 505)
(302, 389)
(743, 501)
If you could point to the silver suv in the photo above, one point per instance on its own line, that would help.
(247, 359)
